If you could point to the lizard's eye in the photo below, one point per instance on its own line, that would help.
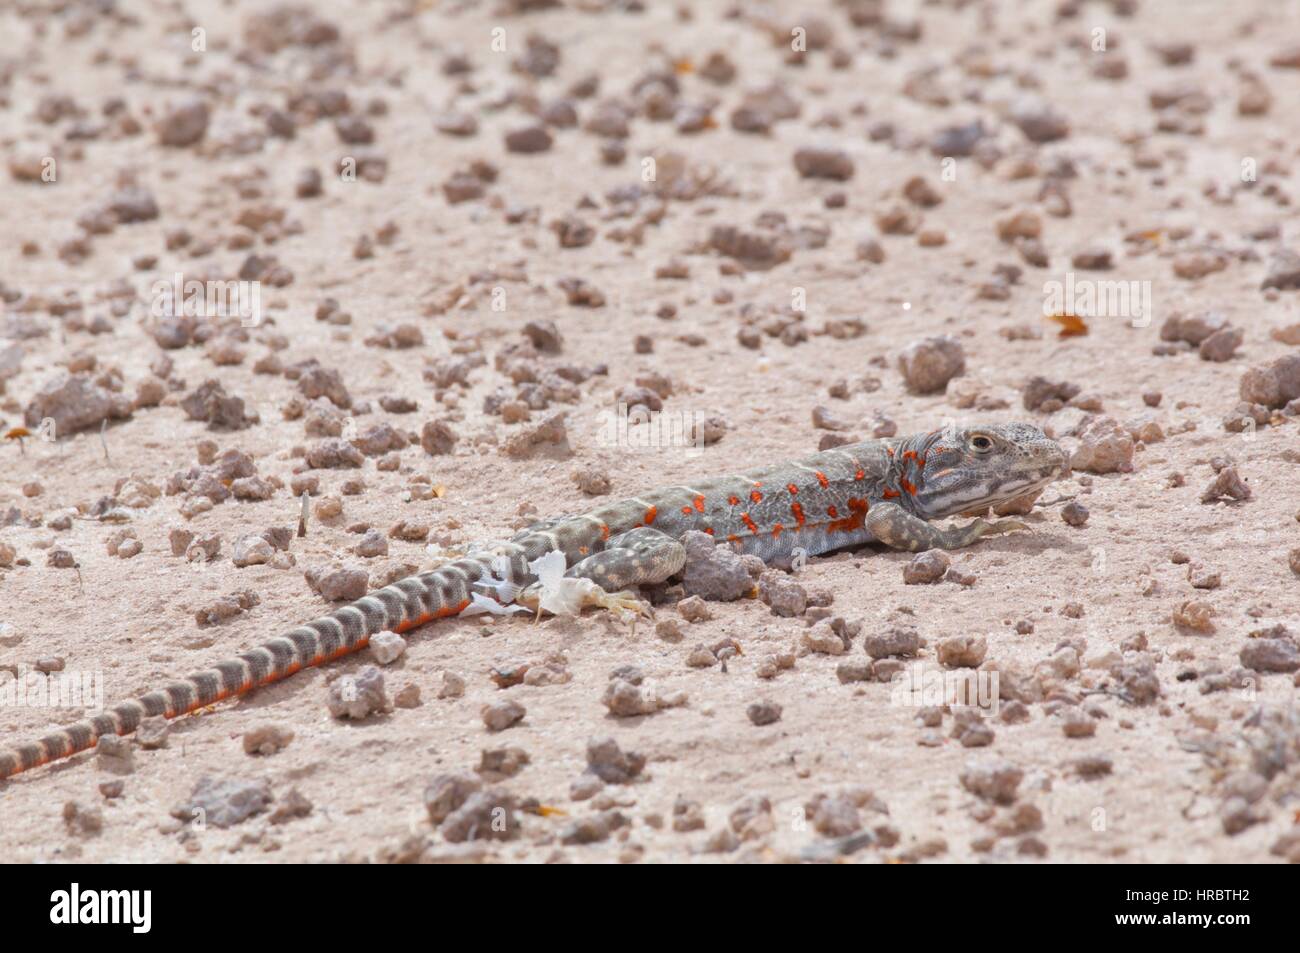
(981, 443)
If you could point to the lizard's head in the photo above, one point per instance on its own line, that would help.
(959, 469)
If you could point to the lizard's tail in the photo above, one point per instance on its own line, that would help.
(409, 602)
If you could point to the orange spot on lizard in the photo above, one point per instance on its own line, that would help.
(858, 508)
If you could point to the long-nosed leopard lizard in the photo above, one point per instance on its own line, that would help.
(885, 491)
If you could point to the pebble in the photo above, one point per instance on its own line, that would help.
(822, 638)
(267, 739)
(497, 764)
(484, 815)
(992, 779)
(592, 481)
(626, 698)
(1271, 654)
(529, 140)
(152, 733)
(926, 567)
(499, 716)
(895, 642)
(251, 550)
(701, 657)
(114, 754)
(713, 572)
(763, 713)
(1226, 485)
(1104, 447)
(446, 793)
(183, 124)
(339, 583)
(451, 685)
(387, 647)
(962, 651)
(928, 365)
(823, 163)
(782, 594)
(609, 762)
(1038, 121)
(1077, 723)
(1273, 385)
(224, 802)
(694, 609)
(358, 696)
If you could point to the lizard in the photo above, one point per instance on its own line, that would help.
(886, 491)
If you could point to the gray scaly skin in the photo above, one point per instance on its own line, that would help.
(884, 491)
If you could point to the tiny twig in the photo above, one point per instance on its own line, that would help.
(302, 516)
(102, 442)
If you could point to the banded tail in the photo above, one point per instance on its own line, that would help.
(409, 602)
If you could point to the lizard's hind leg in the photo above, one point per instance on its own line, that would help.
(640, 557)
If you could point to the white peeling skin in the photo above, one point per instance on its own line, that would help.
(480, 604)
(558, 594)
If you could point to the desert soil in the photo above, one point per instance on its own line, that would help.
(759, 231)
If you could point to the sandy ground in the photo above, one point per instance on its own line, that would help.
(1182, 785)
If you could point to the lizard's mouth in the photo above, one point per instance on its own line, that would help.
(1002, 489)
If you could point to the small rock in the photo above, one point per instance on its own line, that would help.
(1074, 513)
(823, 163)
(962, 651)
(927, 567)
(1271, 655)
(224, 802)
(763, 713)
(358, 696)
(387, 647)
(993, 780)
(499, 716)
(446, 793)
(484, 815)
(927, 366)
(267, 739)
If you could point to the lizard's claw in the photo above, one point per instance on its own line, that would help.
(623, 601)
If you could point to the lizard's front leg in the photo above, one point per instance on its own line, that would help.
(894, 526)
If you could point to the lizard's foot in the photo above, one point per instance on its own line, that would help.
(956, 537)
(624, 601)
(579, 594)
(895, 527)
(996, 528)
